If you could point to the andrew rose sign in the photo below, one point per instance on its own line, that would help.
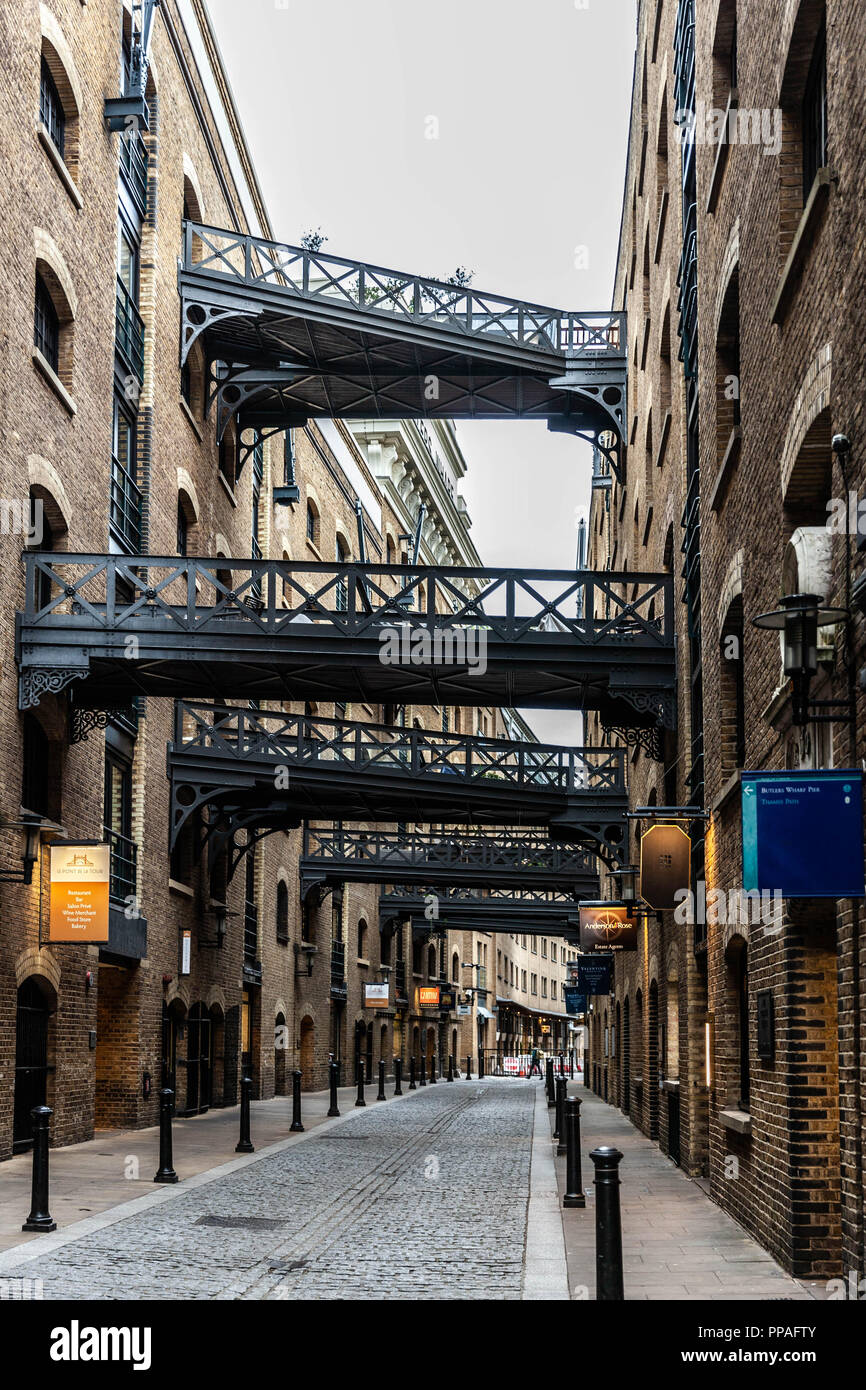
(78, 897)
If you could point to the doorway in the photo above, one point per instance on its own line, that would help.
(31, 1060)
(199, 1053)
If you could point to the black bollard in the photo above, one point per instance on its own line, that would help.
(548, 1082)
(433, 1069)
(608, 1230)
(450, 1067)
(574, 1193)
(334, 1108)
(468, 1066)
(40, 1217)
(561, 1096)
(571, 1064)
(422, 1079)
(296, 1127)
(412, 1086)
(165, 1172)
(480, 1066)
(360, 1100)
(381, 1095)
(398, 1076)
(244, 1145)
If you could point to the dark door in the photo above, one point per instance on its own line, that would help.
(31, 1062)
(674, 1126)
(198, 1090)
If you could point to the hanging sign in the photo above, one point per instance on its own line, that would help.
(575, 1002)
(448, 997)
(375, 996)
(428, 996)
(803, 833)
(665, 866)
(78, 897)
(607, 926)
(593, 974)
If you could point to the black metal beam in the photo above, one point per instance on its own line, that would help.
(304, 333)
(286, 630)
(535, 914)
(468, 858)
(264, 767)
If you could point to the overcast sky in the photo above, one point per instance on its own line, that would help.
(528, 101)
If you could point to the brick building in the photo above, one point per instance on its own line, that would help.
(742, 269)
(107, 448)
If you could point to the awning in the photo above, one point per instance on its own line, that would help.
(484, 1013)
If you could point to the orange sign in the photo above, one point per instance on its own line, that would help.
(78, 901)
(428, 996)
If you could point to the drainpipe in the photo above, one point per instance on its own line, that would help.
(841, 447)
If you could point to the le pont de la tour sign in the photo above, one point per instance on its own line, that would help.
(665, 866)
(78, 897)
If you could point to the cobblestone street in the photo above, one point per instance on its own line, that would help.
(394, 1201)
(422, 1198)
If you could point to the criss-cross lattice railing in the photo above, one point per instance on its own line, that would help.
(116, 593)
(261, 736)
(459, 848)
(240, 259)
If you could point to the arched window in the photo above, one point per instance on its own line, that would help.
(282, 911)
(733, 690)
(362, 939)
(455, 969)
(432, 967)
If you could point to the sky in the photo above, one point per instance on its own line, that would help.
(489, 134)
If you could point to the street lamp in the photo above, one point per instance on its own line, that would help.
(798, 620)
(626, 879)
(36, 828)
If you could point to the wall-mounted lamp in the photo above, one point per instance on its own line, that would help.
(36, 829)
(221, 915)
(626, 879)
(798, 619)
(709, 1050)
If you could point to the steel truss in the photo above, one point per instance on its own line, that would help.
(334, 854)
(464, 909)
(287, 630)
(293, 334)
(254, 771)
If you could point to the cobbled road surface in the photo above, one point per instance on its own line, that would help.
(425, 1198)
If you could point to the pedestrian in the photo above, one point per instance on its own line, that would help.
(536, 1064)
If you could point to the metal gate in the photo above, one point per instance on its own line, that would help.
(31, 1062)
(198, 1052)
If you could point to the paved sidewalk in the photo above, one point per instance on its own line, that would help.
(118, 1165)
(677, 1243)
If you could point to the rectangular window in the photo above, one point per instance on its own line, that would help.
(51, 112)
(46, 325)
(815, 115)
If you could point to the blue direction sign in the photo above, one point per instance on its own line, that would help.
(803, 833)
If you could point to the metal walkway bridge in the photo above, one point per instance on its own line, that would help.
(467, 857)
(258, 770)
(119, 626)
(501, 910)
(291, 334)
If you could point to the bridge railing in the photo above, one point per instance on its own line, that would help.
(273, 738)
(255, 262)
(389, 602)
(457, 849)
